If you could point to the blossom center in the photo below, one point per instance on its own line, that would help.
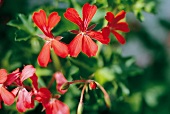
(1, 85)
(83, 33)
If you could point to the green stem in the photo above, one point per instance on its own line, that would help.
(80, 81)
(106, 95)
(83, 65)
(56, 61)
(51, 82)
(80, 106)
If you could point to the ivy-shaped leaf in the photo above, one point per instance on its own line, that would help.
(24, 25)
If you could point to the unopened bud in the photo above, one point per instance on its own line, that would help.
(92, 85)
(107, 100)
(65, 86)
(80, 108)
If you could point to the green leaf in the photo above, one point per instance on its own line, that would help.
(23, 23)
(43, 72)
(104, 75)
(135, 101)
(101, 3)
(153, 93)
(25, 29)
(124, 89)
(84, 62)
(21, 35)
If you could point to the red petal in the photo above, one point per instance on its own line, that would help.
(75, 45)
(91, 27)
(57, 107)
(120, 16)
(72, 15)
(24, 100)
(60, 80)
(49, 108)
(53, 19)
(15, 91)
(62, 108)
(58, 37)
(122, 26)
(40, 20)
(27, 72)
(60, 49)
(3, 75)
(12, 77)
(89, 47)
(28, 101)
(74, 31)
(88, 12)
(98, 36)
(20, 101)
(34, 79)
(119, 37)
(106, 33)
(43, 95)
(7, 97)
(109, 17)
(44, 56)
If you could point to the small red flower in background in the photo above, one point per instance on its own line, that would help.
(5, 95)
(92, 85)
(83, 41)
(60, 80)
(115, 24)
(46, 25)
(51, 105)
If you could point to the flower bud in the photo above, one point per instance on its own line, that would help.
(65, 86)
(80, 108)
(107, 100)
(92, 85)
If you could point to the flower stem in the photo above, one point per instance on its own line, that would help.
(51, 82)
(80, 106)
(80, 81)
(106, 95)
(56, 61)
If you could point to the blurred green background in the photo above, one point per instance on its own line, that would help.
(136, 75)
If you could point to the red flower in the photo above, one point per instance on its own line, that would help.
(57, 107)
(24, 100)
(51, 105)
(60, 80)
(46, 25)
(83, 41)
(43, 96)
(115, 24)
(5, 95)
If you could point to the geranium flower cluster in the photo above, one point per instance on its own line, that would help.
(12, 85)
(83, 41)
(27, 95)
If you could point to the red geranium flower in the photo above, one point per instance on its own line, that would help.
(60, 80)
(5, 95)
(115, 24)
(83, 41)
(23, 92)
(46, 25)
(51, 105)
